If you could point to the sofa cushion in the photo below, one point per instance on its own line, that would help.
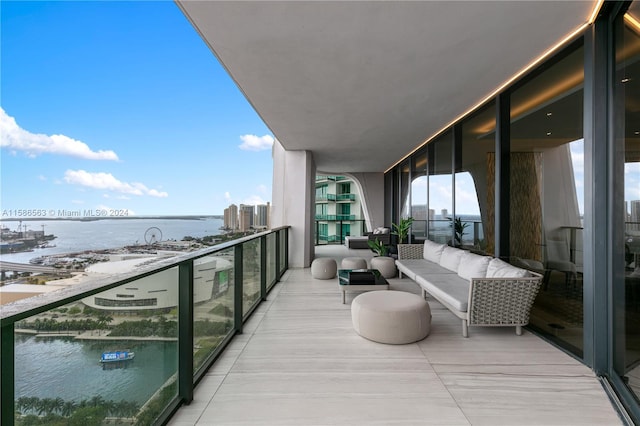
(413, 268)
(450, 258)
(432, 251)
(447, 288)
(473, 266)
(500, 269)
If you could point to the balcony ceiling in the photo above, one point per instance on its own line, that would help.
(361, 84)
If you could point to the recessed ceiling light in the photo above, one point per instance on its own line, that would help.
(548, 133)
(637, 132)
(549, 114)
(625, 80)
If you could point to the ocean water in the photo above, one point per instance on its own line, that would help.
(70, 369)
(75, 236)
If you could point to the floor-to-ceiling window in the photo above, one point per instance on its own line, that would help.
(626, 279)
(546, 193)
(441, 189)
(475, 175)
(419, 182)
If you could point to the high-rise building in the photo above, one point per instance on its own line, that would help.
(338, 209)
(231, 217)
(262, 216)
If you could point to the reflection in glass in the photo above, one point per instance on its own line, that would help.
(419, 190)
(250, 275)
(474, 180)
(213, 303)
(627, 282)
(115, 351)
(546, 184)
(441, 189)
(271, 261)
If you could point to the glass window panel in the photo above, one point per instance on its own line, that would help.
(250, 275)
(546, 193)
(271, 260)
(627, 282)
(213, 303)
(419, 192)
(441, 189)
(116, 350)
(475, 175)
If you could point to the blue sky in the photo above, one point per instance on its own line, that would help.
(121, 105)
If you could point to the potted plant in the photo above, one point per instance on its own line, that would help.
(378, 247)
(458, 228)
(401, 229)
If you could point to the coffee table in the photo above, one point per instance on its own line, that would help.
(360, 283)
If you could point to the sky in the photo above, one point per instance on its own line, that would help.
(119, 107)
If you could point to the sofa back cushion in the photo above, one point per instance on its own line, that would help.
(432, 251)
(450, 258)
(473, 266)
(500, 269)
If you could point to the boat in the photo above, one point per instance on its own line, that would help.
(116, 359)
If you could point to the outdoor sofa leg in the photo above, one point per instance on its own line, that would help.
(465, 329)
(519, 330)
(424, 293)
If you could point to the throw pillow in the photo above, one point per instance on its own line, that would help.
(473, 266)
(450, 258)
(500, 269)
(432, 251)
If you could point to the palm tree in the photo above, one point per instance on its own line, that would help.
(68, 408)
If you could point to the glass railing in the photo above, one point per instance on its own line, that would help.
(345, 197)
(129, 349)
(336, 217)
(356, 227)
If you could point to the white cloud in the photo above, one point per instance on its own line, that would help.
(254, 200)
(77, 201)
(107, 181)
(17, 139)
(263, 189)
(256, 143)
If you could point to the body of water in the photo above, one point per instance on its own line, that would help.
(76, 236)
(70, 369)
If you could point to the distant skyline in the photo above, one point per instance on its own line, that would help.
(120, 106)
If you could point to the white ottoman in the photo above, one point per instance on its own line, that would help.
(324, 268)
(354, 263)
(393, 317)
(386, 266)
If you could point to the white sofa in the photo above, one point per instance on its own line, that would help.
(480, 290)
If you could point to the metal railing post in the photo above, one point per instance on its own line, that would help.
(238, 288)
(263, 268)
(185, 331)
(7, 379)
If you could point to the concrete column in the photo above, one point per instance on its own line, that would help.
(293, 201)
(371, 187)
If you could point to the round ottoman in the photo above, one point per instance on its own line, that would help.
(354, 263)
(324, 268)
(386, 266)
(393, 317)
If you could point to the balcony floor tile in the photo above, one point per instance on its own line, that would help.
(299, 362)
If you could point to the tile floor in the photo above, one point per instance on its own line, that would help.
(299, 362)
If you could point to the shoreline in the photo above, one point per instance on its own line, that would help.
(87, 335)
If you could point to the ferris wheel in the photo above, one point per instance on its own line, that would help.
(153, 235)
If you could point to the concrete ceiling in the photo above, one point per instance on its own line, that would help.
(363, 83)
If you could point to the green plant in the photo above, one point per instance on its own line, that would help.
(458, 228)
(401, 229)
(378, 247)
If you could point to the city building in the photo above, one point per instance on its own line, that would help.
(262, 216)
(246, 216)
(338, 209)
(231, 217)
